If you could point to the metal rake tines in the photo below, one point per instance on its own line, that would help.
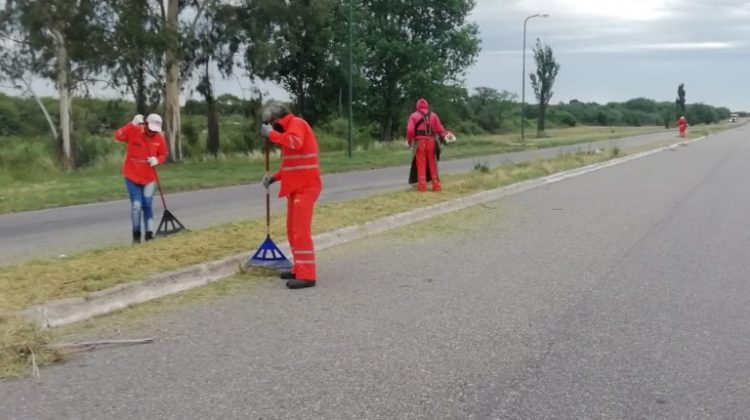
(169, 224)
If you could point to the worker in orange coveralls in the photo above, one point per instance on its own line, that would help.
(300, 184)
(422, 128)
(682, 123)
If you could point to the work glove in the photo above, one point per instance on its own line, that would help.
(268, 180)
(153, 161)
(406, 143)
(265, 130)
(138, 120)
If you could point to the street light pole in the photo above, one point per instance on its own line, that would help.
(523, 73)
(349, 146)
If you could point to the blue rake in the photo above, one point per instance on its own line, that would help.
(268, 255)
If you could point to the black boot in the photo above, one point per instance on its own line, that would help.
(300, 284)
(137, 237)
(287, 275)
(149, 235)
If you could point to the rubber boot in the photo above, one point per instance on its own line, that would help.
(137, 237)
(300, 284)
(288, 275)
(149, 235)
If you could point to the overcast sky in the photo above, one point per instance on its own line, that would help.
(614, 50)
(609, 50)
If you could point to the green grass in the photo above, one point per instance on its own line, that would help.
(40, 281)
(102, 181)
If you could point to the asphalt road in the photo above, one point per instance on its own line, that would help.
(52, 232)
(620, 294)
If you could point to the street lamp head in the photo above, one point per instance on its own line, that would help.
(545, 15)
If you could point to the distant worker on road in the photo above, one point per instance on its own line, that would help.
(682, 123)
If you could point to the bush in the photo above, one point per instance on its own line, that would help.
(468, 128)
(565, 118)
(91, 149)
(27, 158)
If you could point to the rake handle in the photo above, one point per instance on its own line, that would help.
(158, 184)
(156, 174)
(268, 190)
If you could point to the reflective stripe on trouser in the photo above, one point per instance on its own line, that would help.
(300, 206)
(426, 156)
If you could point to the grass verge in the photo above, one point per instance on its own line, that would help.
(31, 190)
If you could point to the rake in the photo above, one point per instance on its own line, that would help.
(169, 223)
(268, 255)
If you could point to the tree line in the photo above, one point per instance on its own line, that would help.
(150, 48)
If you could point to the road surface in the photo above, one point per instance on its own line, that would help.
(52, 232)
(622, 294)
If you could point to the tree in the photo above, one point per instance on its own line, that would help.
(58, 40)
(293, 43)
(215, 39)
(175, 63)
(680, 101)
(135, 58)
(490, 108)
(17, 68)
(413, 49)
(544, 79)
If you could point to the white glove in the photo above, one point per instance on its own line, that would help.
(406, 143)
(138, 119)
(153, 161)
(265, 130)
(450, 138)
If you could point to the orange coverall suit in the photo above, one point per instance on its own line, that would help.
(422, 127)
(301, 184)
(682, 123)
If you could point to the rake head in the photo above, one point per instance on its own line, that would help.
(169, 225)
(270, 256)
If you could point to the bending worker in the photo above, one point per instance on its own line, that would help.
(300, 184)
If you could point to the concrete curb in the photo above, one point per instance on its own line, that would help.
(67, 311)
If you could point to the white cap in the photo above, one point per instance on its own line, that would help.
(154, 122)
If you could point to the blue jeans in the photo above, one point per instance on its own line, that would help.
(141, 200)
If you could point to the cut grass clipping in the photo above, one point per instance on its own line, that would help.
(23, 348)
(37, 282)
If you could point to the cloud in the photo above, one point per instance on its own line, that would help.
(664, 47)
(645, 44)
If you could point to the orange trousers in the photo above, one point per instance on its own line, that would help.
(300, 206)
(426, 156)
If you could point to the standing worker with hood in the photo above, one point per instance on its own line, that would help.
(422, 128)
(682, 123)
(300, 184)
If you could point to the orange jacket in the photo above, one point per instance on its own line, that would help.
(139, 148)
(300, 163)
